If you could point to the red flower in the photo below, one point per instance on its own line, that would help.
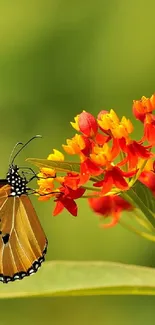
(109, 206)
(101, 139)
(148, 179)
(149, 129)
(88, 168)
(88, 145)
(114, 176)
(66, 200)
(134, 151)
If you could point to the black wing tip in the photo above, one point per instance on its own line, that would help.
(33, 269)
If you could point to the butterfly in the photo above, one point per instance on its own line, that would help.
(23, 243)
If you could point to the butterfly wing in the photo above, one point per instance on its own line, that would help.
(23, 243)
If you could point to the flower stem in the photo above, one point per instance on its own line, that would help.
(143, 221)
(139, 233)
(89, 188)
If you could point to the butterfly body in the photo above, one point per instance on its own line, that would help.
(23, 244)
(17, 183)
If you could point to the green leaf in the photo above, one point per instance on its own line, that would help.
(141, 197)
(58, 165)
(83, 278)
(145, 194)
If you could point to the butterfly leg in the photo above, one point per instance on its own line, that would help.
(31, 171)
(31, 191)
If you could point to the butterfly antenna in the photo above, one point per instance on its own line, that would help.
(23, 146)
(13, 150)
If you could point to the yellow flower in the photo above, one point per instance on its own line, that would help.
(74, 145)
(75, 124)
(56, 156)
(111, 122)
(101, 155)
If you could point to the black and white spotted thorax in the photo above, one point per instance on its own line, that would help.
(17, 182)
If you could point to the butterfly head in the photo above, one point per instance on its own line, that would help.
(17, 181)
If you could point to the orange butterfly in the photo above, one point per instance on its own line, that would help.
(23, 244)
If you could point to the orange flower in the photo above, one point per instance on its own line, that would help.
(104, 155)
(143, 106)
(75, 145)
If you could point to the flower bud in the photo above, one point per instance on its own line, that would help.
(87, 124)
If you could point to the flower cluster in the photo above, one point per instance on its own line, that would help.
(109, 162)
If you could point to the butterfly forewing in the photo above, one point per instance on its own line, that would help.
(22, 240)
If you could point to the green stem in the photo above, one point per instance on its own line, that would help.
(89, 196)
(122, 156)
(134, 179)
(139, 204)
(143, 221)
(89, 188)
(139, 233)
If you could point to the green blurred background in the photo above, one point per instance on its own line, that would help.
(58, 57)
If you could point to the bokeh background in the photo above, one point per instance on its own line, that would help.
(58, 57)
